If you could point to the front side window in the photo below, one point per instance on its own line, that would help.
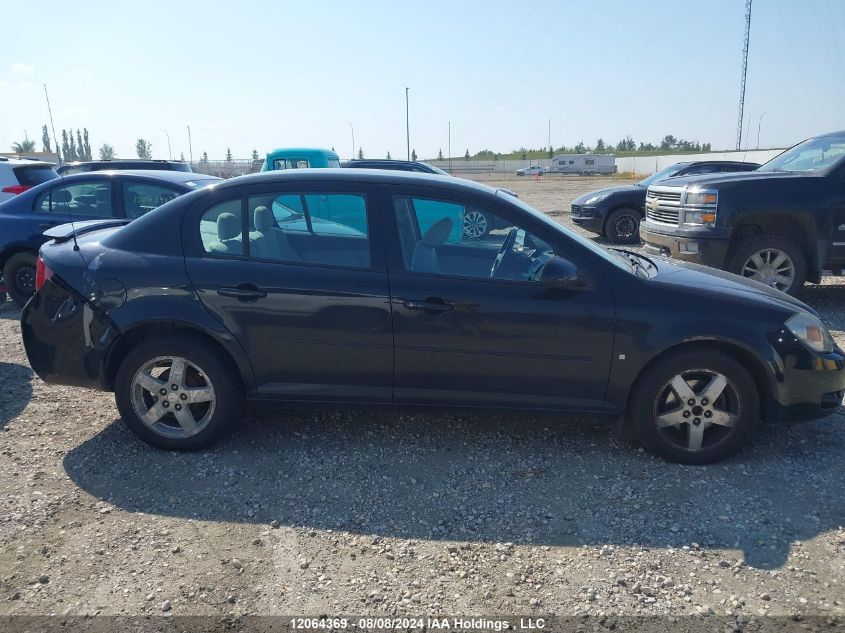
(139, 198)
(450, 238)
(82, 199)
(221, 229)
(325, 228)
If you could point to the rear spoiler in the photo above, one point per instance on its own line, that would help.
(64, 232)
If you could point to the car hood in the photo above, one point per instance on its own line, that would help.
(691, 276)
(727, 178)
(614, 191)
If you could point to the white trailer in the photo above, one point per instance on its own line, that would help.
(583, 164)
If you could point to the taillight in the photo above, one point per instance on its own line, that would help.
(16, 189)
(42, 273)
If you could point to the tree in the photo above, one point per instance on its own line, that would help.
(182, 156)
(580, 149)
(523, 153)
(388, 155)
(24, 147)
(668, 142)
(72, 146)
(255, 154)
(65, 146)
(204, 159)
(80, 147)
(45, 140)
(106, 152)
(466, 155)
(360, 152)
(229, 155)
(440, 154)
(600, 146)
(86, 145)
(413, 154)
(144, 149)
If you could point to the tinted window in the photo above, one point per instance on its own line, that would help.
(434, 238)
(139, 198)
(84, 199)
(702, 169)
(221, 229)
(308, 227)
(34, 175)
(290, 163)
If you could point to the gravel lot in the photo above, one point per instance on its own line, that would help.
(380, 513)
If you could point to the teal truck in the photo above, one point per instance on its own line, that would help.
(299, 158)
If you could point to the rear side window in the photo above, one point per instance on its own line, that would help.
(140, 198)
(91, 199)
(221, 229)
(290, 163)
(32, 176)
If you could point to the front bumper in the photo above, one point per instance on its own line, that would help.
(808, 385)
(708, 247)
(65, 338)
(590, 218)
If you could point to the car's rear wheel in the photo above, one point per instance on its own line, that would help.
(175, 394)
(770, 259)
(19, 274)
(476, 225)
(623, 226)
(696, 406)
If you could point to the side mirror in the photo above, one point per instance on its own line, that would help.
(561, 273)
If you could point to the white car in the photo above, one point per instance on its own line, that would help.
(534, 170)
(19, 174)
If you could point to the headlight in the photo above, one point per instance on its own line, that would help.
(700, 218)
(597, 197)
(702, 198)
(811, 331)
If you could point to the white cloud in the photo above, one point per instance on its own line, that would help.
(22, 69)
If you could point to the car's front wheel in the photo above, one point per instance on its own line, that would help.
(623, 226)
(19, 274)
(696, 406)
(770, 259)
(175, 394)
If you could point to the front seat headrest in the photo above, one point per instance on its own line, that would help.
(438, 233)
(228, 226)
(61, 196)
(263, 218)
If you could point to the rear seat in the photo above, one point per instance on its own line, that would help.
(268, 241)
(229, 234)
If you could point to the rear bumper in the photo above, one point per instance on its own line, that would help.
(710, 249)
(65, 338)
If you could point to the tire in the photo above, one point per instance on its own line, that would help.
(19, 273)
(671, 428)
(213, 411)
(623, 226)
(748, 255)
(476, 225)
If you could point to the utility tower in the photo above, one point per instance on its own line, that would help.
(744, 72)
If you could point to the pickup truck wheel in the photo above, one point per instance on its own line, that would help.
(770, 259)
(19, 274)
(697, 406)
(623, 226)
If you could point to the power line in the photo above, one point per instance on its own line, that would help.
(744, 73)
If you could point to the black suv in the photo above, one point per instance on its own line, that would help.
(122, 163)
(616, 212)
(399, 165)
(782, 224)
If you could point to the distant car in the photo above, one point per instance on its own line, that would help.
(534, 170)
(399, 165)
(299, 158)
(616, 212)
(248, 291)
(124, 164)
(19, 174)
(123, 195)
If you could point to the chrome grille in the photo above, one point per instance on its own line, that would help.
(663, 206)
(663, 215)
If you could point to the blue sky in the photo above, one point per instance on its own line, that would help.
(267, 74)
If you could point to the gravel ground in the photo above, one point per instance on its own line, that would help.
(382, 513)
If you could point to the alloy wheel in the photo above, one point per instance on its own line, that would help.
(698, 409)
(772, 267)
(173, 397)
(25, 279)
(625, 226)
(475, 225)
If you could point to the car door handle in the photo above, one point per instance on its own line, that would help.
(244, 292)
(429, 305)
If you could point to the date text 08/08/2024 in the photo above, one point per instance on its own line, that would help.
(377, 623)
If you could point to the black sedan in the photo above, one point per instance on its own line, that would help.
(87, 196)
(616, 212)
(351, 287)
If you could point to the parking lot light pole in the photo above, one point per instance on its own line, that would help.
(169, 153)
(190, 147)
(759, 122)
(407, 125)
(353, 139)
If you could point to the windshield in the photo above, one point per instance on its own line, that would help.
(815, 154)
(614, 257)
(666, 172)
(437, 170)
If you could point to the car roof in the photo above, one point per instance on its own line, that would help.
(722, 162)
(18, 162)
(372, 176)
(117, 161)
(302, 151)
(142, 174)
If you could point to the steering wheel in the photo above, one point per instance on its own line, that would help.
(507, 248)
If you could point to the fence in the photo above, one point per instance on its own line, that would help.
(226, 168)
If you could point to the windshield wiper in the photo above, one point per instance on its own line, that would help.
(637, 260)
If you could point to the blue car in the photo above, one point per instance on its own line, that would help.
(89, 196)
